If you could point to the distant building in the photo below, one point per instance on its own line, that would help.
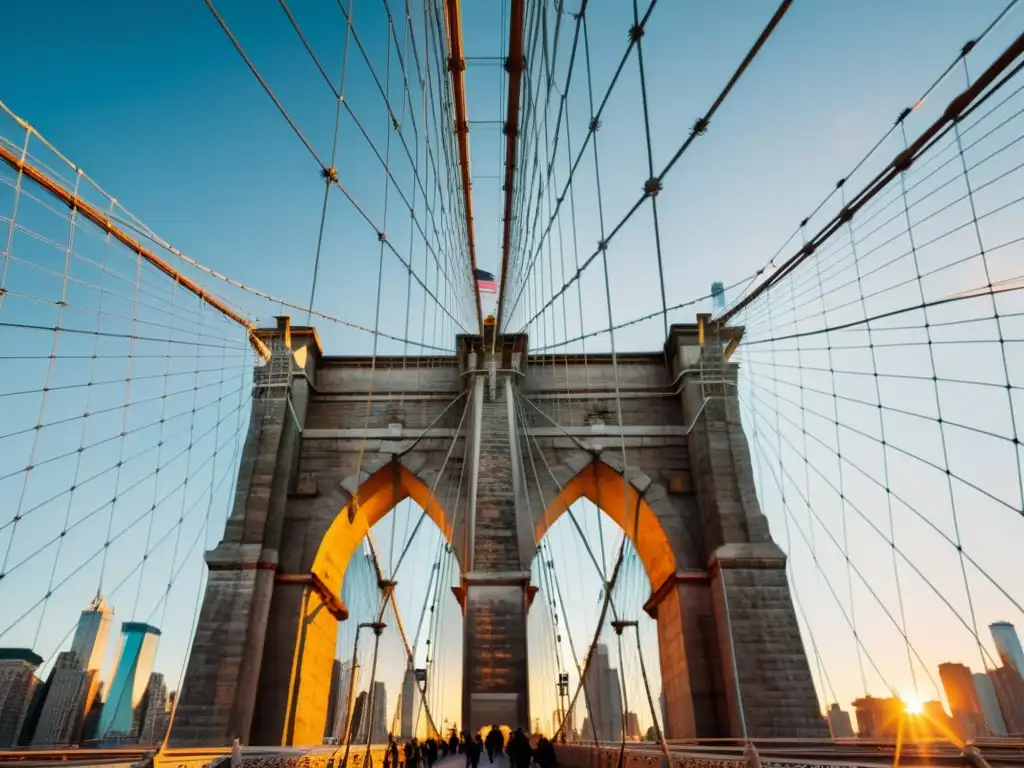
(632, 726)
(70, 694)
(91, 724)
(603, 697)
(935, 724)
(379, 718)
(90, 641)
(989, 703)
(35, 708)
(569, 730)
(964, 705)
(357, 729)
(1008, 645)
(332, 700)
(839, 722)
(154, 713)
(119, 718)
(407, 727)
(74, 681)
(342, 706)
(878, 718)
(18, 683)
(717, 296)
(1009, 687)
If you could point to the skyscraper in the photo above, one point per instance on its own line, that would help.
(17, 684)
(153, 712)
(989, 703)
(358, 727)
(1008, 645)
(343, 705)
(409, 691)
(632, 726)
(70, 694)
(91, 723)
(119, 719)
(90, 640)
(717, 297)
(603, 698)
(379, 716)
(878, 718)
(839, 722)
(1009, 687)
(570, 728)
(332, 699)
(963, 700)
(74, 680)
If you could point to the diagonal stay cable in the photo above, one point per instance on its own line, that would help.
(899, 551)
(699, 128)
(916, 512)
(433, 488)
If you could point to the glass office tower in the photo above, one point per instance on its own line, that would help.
(131, 676)
(1008, 645)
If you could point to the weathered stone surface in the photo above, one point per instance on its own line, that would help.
(495, 681)
(306, 484)
(730, 649)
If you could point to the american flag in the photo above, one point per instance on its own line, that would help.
(485, 282)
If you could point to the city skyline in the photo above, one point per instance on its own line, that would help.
(73, 703)
(977, 704)
(198, 123)
(973, 704)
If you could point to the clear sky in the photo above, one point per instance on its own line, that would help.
(154, 103)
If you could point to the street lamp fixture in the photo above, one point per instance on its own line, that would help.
(378, 627)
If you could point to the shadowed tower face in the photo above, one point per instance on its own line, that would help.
(732, 658)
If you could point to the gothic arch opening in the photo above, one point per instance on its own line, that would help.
(305, 671)
(375, 498)
(603, 506)
(606, 488)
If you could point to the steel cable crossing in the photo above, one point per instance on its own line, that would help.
(184, 374)
(812, 329)
(126, 392)
(862, 433)
(847, 388)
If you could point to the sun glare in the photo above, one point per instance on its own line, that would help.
(913, 705)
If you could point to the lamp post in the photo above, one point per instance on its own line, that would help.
(618, 626)
(377, 628)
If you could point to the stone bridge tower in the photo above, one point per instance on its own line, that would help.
(529, 434)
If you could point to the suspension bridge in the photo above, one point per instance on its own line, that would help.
(459, 445)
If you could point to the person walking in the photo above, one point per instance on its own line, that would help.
(519, 750)
(474, 748)
(495, 743)
(412, 754)
(391, 753)
(544, 756)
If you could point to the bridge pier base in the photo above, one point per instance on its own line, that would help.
(769, 690)
(495, 663)
(691, 668)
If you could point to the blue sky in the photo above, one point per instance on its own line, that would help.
(154, 103)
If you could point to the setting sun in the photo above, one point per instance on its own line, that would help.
(913, 705)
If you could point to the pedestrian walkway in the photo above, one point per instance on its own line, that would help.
(459, 761)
